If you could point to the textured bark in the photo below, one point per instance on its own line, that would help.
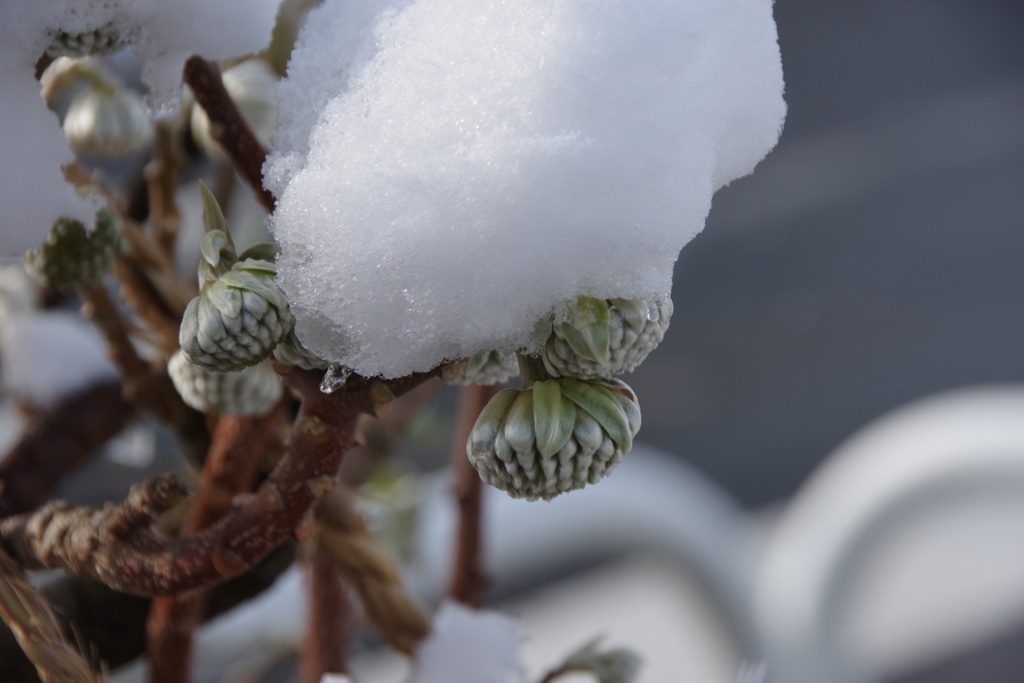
(60, 442)
(230, 468)
(112, 625)
(126, 553)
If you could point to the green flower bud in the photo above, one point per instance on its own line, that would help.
(555, 436)
(254, 391)
(102, 41)
(71, 257)
(489, 367)
(292, 352)
(240, 314)
(597, 338)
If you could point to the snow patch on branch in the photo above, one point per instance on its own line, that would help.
(449, 171)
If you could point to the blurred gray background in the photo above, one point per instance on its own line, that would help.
(876, 256)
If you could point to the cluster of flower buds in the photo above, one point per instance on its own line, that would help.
(488, 368)
(554, 436)
(572, 423)
(72, 257)
(101, 41)
(101, 118)
(597, 338)
(240, 314)
(253, 391)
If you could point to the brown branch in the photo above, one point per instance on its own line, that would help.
(228, 127)
(329, 628)
(38, 631)
(145, 300)
(111, 625)
(138, 559)
(469, 579)
(369, 569)
(144, 251)
(151, 391)
(161, 174)
(60, 442)
(174, 291)
(230, 469)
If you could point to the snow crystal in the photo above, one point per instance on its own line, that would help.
(469, 646)
(449, 171)
(163, 33)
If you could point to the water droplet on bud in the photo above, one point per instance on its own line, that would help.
(334, 378)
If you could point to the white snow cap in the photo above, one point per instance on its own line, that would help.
(163, 33)
(469, 646)
(449, 170)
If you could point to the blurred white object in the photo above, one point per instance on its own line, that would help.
(134, 447)
(50, 355)
(469, 646)
(19, 292)
(905, 547)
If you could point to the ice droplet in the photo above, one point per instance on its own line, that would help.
(652, 314)
(334, 378)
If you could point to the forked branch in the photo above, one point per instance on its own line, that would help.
(118, 545)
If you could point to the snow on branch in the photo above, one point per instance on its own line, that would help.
(448, 172)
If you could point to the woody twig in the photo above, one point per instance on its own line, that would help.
(128, 554)
(152, 391)
(230, 469)
(228, 127)
(469, 578)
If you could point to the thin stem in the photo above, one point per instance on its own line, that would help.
(153, 392)
(228, 127)
(531, 369)
(230, 469)
(329, 629)
(469, 578)
(369, 569)
(161, 174)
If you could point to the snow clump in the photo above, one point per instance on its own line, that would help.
(449, 171)
(163, 33)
